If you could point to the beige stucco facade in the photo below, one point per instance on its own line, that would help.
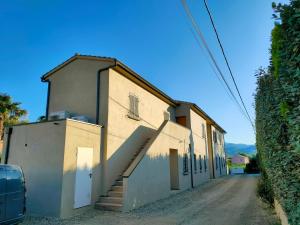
(151, 178)
(136, 160)
(124, 134)
(46, 153)
(219, 153)
(74, 86)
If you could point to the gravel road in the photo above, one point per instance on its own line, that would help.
(225, 201)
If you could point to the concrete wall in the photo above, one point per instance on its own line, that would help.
(74, 88)
(237, 170)
(150, 180)
(39, 150)
(280, 212)
(125, 135)
(79, 134)
(47, 154)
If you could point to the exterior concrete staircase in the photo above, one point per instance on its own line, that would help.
(114, 199)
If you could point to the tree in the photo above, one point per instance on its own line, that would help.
(277, 108)
(10, 113)
(252, 166)
(41, 119)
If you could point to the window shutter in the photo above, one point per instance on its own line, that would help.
(215, 136)
(203, 131)
(136, 106)
(131, 105)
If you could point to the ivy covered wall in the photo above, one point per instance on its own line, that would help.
(277, 103)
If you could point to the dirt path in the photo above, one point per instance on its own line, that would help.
(225, 201)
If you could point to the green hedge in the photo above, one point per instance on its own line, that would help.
(277, 104)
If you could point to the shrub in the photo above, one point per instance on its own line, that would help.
(277, 105)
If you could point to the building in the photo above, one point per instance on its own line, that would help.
(240, 159)
(238, 164)
(111, 140)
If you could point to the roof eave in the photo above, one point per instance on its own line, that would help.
(200, 112)
(147, 85)
(46, 76)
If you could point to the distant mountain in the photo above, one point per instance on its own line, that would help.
(233, 149)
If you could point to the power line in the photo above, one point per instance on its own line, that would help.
(197, 29)
(227, 63)
(213, 68)
(215, 72)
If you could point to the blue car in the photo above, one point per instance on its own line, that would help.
(12, 194)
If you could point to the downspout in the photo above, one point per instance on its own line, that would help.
(213, 161)
(103, 137)
(48, 99)
(10, 129)
(98, 89)
(48, 95)
(191, 163)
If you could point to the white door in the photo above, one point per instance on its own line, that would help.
(83, 179)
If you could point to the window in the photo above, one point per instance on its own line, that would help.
(195, 163)
(185, 164)
(133, 107)
(215, 137)
(200, 163)
(205, 166)
(203, 131)
(216, 158)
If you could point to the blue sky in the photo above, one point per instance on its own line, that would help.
(152, 37)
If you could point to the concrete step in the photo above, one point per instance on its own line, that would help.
(115, 193)
(119, 182)
(120, 178)
(108, 206)
(117, 188)
(115, 200)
